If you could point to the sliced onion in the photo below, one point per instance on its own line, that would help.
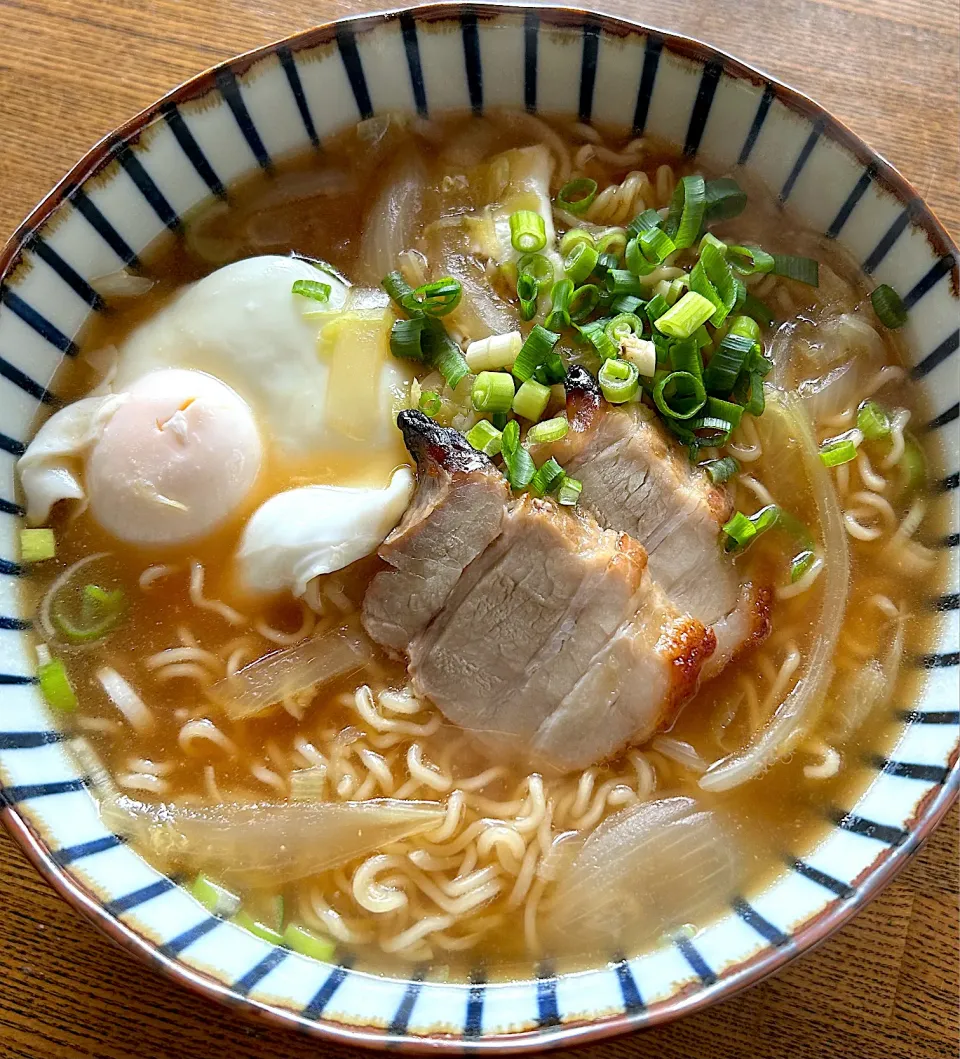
(121, 284)
(643, 873)
(393, 217)
(785, 414)
(126, 700)
(266, 843)
(283, 674)
(869, 690)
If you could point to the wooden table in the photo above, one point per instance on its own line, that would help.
(887, 985)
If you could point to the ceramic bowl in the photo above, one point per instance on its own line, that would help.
(244, 114)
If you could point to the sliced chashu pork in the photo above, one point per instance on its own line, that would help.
(552, 640)
(638, 480)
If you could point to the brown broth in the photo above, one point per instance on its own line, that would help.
(783, 811)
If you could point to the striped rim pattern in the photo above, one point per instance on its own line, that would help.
(242, 116)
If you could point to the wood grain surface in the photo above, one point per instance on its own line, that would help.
(887, 985)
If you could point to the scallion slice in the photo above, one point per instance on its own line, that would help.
(713, 279)
(686, 211)
(656, 307)
(439, 297)
(569, 492)
(757, 401)
(750, 259)
(101, 610)
(595, 333)
(740, 531)
(873, 421)
(552, 370)
(573, 238)
(534, 352)
(580, 262)
(215, 898)
(720, 471)
(400, 291)
(559, 316)
(55, 686)
(442, 353)
(728, 359)
(679, 394)
(613, 241)
(625, 303)
(37, 545)
(623, 281)
(724, 199)
(624, 324)
(518, 462)
(548, 430)
(686, 316)
(644, 222)
(800, 564)
(492, 391)
(889, 307)
(759, 310)
(299, 939)
(430, 403)
(727, 410)
(485, 437)
(585, 299)
(803, 269)
(313, 289)
(528, 233)
(548, 475)
(685, 356)
(406, 338)
(538, 267)
(576, 196)
(531, 400)
(834, 453)
(619, 380)
(495, 352)
(635, 259)
(656, 245)
(261, 930)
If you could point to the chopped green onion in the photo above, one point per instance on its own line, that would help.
(573, 238)
(548, 476)
(740, 530)
(485, 437)
(559, 316)
(656, 245)
(399, 290)
(626, 303)
(702, 337)
(619, 380)
(499, 419)
(745, 327)
(606, 262)
(636, 260)
(686, 316)
(624, 324)
(803, 269)
(37, 545)
(299, 939)
(494, 353)
(686, 211)
(911, 468)
(760, 364)
(576, 196)
(724, 199)
(528, 233)
(759, 310)
(492, 391)
(595, 333)
(430, 403)
(534, 352)
(548, 430)
(750, 259)
(623, 281)
(727, 410)
(643, 222)
(312, 288)
(757, 400)
(834, 453)
(55, 686)
(685, 356)
(528, 308)
(552, 370)
(766, 518)
(728, 358)
(712, 278)
(406, 338)
(531, 400)
(613, 241)
(569, 492)
(873, 421)
(676, 288)
(720, 471)
(580, 262)
(709, 237)
(261, 930)
(800, 564)
(537, 266)
(889, 307)
(101, 611)
(214, 897)
(441, 352)
(679, 394)
(713, 430)
(439, 297)
(518, 462)
(656, 307)
(585, 299)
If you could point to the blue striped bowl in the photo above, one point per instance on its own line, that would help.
(286, 97)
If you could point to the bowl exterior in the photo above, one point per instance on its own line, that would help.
(243, 116)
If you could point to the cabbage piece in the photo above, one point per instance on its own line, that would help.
(50, 469)
(644, 872)
(393, 217)
(283, 674)
(785, 432)
(265, 843)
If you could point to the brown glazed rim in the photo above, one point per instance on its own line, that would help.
(930, 810)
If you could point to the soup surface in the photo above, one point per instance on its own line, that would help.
(510, 850)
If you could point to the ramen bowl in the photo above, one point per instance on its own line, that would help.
(237, 119)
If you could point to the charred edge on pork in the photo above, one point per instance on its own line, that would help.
(428, 442)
